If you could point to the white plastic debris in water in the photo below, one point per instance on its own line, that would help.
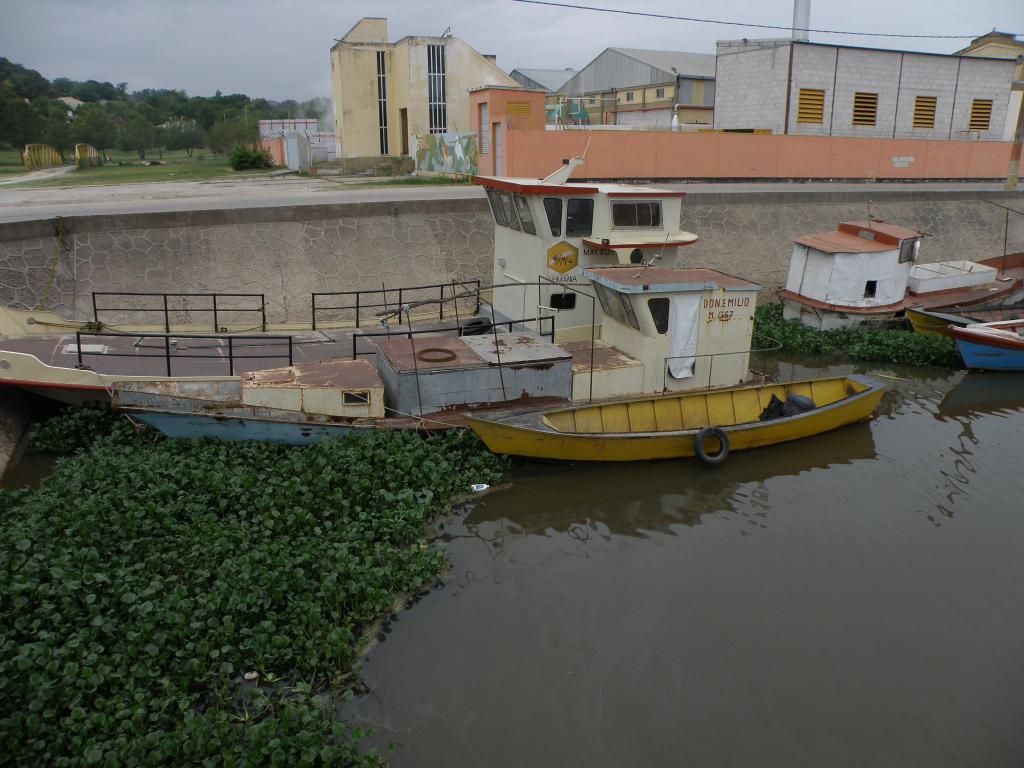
(251, 675)
(479, 487)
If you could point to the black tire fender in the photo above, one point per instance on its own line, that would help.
(701, 438)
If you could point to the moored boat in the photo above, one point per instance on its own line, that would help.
(995, 346)
(705, 424)
(938, 323)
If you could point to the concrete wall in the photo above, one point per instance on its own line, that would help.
(287, 253)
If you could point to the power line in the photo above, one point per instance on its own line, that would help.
(651, 15)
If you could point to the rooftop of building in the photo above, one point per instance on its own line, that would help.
(552, 79)
(681, 63)
(777, 42)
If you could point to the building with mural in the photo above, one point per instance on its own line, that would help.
(385, 93)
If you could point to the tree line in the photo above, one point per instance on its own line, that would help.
(137, 121)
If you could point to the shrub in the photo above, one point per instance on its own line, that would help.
(143, 579)
(243, 158)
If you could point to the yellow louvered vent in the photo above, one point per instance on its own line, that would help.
(981, 114)
(924, 111)
(517, 108)
(865, 108)
(811, 108)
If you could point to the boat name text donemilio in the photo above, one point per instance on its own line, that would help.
(726, 303)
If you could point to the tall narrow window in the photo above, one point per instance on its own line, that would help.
(981, 114)
(811, 106)
(436, 89)
(485, 129)
(924, 111)
(382, 101)
(865, 108)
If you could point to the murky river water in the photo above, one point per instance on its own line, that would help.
(852, 599)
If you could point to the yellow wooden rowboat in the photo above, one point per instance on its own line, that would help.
(678, 426)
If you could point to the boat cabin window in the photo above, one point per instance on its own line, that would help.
(644, 213)
(553, 208)
(525, 217)
(870, 287)
(908, 250)
(579, 217)
(616, 306)
(659, 314)
(495, 200)
(355, 397)
(510, 210)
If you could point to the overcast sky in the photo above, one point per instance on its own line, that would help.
(279, 49)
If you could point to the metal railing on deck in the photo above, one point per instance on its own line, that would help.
(399, 333)
(666, 372)
(168, 349)
(400, 295)
(166, 309)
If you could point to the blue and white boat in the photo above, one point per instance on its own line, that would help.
(995, 346)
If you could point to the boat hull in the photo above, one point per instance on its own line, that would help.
(193, 426)
(540, 443)
(986, 357)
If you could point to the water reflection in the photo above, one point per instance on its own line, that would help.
(654, 496)
(979, 394)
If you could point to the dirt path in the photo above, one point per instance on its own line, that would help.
(45, 173)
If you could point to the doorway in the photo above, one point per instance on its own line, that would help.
(499, 151)
(403, 118)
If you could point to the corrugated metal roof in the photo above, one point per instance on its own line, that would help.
(684, 64)
(551, 79)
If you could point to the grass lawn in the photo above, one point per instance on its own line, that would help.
(200, 167)
(401, 181)
(10, 162)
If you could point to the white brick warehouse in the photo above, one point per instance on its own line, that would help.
(759, 83)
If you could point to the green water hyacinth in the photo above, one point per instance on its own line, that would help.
(170, 602)
(859, 344)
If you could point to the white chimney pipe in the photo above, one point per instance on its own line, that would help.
(801, 19)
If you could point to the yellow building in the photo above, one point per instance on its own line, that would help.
(386, 93)
(1002, 45)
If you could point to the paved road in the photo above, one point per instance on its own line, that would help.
(17, 204)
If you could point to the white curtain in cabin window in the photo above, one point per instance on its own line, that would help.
(682, 345)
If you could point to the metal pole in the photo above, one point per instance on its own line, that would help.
(497, 354)
(455, 301)
(167, 318)
(167, 350)
(415, 364)
(263, 311)
(290, 352)
(1013, 174)
(78, 341)
(358, 294)
(95, 315)
(593, 319)
(231, 357)
(440, 303)
(216, 325)
(313, 323)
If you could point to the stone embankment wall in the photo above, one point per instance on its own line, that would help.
(289, 252)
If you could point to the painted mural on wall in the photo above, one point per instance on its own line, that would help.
(446, 152)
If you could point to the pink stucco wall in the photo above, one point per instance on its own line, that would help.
(534, 153)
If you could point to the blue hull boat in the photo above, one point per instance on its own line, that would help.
(991, 346)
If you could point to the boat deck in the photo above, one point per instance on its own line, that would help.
(198, 355)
